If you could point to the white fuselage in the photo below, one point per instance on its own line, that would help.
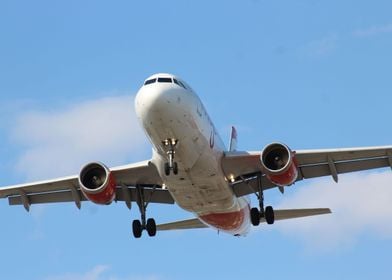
(170, 111)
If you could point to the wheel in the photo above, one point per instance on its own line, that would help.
(255, 216)
(167, 169)
(137, 228)
(175, 168)
(151, 227)
(269, 215)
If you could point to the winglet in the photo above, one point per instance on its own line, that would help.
(233, 140)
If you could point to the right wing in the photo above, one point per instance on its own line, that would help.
(67, 189)
(246, 166)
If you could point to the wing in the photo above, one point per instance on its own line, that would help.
(246, 166)
(67, 189)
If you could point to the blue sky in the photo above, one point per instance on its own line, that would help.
(312, 74)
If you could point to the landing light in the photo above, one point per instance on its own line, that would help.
(231, 178)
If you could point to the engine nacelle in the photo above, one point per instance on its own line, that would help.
(97, 183)
(279, 164)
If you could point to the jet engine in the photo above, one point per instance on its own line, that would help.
(97, 183)
(279, 164)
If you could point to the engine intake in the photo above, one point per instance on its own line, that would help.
(97, 183)
(279, 164)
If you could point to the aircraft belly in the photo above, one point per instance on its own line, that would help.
(203, 188)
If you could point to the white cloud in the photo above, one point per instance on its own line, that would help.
(373, 30)
(99, 272)
(361, 204)
(322, 47)
(58, 142)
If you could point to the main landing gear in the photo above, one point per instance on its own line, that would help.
(257, 213)
(139, 225)
(171, 165)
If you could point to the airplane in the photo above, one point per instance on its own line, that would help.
(191, 167)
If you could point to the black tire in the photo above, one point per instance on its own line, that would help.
(151, 227)
(255, 216)
(167, 169)
(175, 168)
(137, 228)
(269, 215)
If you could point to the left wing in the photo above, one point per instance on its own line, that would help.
(246, 166)
(67, 189)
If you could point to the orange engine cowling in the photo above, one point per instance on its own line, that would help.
(97, 183)
(279, 164)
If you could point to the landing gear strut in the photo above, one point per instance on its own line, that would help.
(257, 213)
(139, 225)
(171, 165)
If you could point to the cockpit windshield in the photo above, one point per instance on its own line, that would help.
(165, 80)
(179, 83)
(151, 81)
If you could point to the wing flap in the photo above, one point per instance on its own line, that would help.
(60, 196)
(151, 195)
(305, 157)
(55, 185)
(319, 170)
(186, 224)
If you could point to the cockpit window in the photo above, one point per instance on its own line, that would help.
(164, 80)
(151, 81)
(182, 85)
(179, 83)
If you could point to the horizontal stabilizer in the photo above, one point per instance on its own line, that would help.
(186, 224)
(279, 215)
(298, 213)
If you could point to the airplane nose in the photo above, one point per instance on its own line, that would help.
(154, 99)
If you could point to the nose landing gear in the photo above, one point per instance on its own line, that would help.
(171, 165)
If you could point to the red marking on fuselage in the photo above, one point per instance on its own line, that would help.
(230, 221)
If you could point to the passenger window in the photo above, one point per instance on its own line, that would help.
(150, 82)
